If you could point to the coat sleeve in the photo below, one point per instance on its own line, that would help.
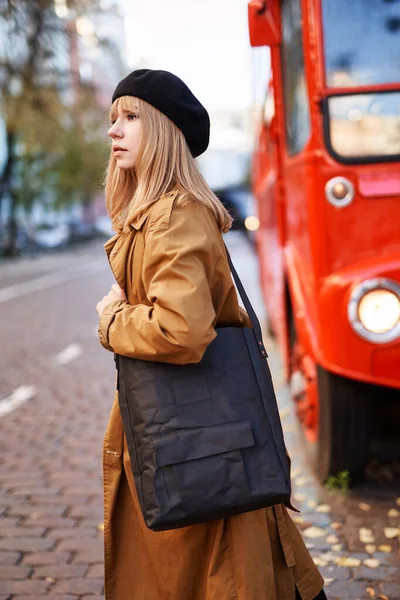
(178, 264)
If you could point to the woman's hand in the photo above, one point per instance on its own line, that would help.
(116, 293)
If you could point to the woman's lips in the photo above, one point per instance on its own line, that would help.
(118, 149)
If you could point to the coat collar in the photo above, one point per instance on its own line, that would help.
(108, 246)
(136, 224)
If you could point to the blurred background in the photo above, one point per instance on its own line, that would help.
(320, 184)
(60, 62)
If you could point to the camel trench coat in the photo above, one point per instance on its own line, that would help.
(173, 268)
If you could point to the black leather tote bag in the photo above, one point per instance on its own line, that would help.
(205, 440)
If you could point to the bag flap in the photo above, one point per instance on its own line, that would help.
(189, 444)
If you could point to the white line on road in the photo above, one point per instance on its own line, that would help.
(19, 396)
(69, 353)
(50, 280)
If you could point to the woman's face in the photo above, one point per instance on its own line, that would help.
(126, 133)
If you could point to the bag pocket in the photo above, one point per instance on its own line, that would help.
(203, 467)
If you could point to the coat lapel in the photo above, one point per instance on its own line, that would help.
(117, 250)
(120, 248)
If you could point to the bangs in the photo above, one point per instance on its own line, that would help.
(130, 103)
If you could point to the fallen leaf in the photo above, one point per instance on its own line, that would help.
(370, 548)
(393, 512)
(314, 532)
(348, 561)
(370, 591)
(100, 526)
(320, 561)
(336, 525)
(385, 548)
(332, 539)
(309, 545)
(328, 580)
(366, 536)
(364, 506)
(372, 563)
(337, 547)
(298, 519)
(391, 532)
(323, 508)
(330, 556)
(383, 597)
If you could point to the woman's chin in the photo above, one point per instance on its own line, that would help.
(125, 165)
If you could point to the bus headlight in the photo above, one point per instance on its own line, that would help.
(374, 310)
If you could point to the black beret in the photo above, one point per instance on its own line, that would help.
(171, 96)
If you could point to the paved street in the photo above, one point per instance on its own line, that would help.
(56, 390)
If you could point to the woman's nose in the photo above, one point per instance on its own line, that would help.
(115, 132)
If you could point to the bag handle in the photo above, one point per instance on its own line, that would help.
(255, 323)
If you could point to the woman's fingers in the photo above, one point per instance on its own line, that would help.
(117, 290)
(99, 307)
(116, 293)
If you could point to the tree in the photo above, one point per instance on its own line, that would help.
(36, 81)
(32, 35)
(78, 166)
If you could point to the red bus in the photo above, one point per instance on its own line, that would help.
(326, 178)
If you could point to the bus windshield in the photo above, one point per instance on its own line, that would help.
(361, 42)
(364, 127)
(362, 47)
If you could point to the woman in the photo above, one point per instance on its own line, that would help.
(173, 287)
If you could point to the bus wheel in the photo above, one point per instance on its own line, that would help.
(344, 426)
(335, 414)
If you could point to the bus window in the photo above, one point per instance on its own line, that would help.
(361, 42)
(294, 85)
(269, 108)
(364, 126)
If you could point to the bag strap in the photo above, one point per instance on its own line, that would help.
(255, 323)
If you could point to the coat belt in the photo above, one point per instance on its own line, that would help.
(284, 535)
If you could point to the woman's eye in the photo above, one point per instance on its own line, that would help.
(112, 122)
(132, 117)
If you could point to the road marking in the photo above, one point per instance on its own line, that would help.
(51, 280)
(19, 396)
(69, 353)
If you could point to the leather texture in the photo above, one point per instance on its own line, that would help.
(205, 440)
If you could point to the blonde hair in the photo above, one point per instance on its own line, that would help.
(164, 164)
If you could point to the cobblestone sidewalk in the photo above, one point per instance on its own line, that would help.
(51, 505)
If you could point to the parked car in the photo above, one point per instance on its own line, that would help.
(48, 236)
(17, 242)
(240, 203)
(80, 231)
